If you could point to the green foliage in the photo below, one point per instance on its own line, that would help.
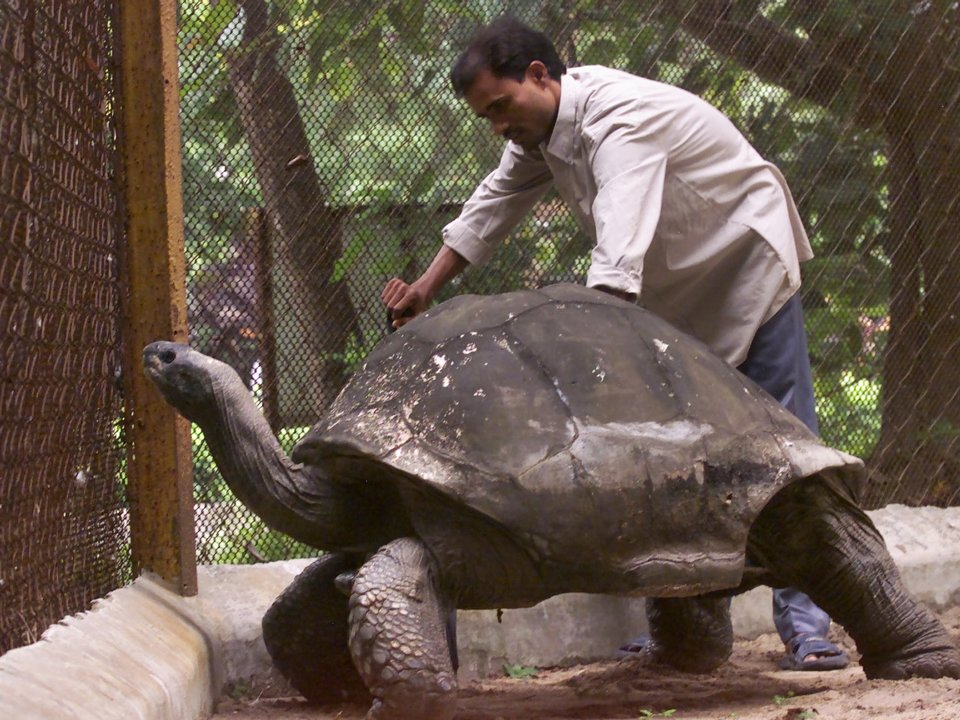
(238, 690)
(849, 408)
(383, 120)
(394, 148)
(779, 700)
(519, 672)
(847, 326)
(230, 534)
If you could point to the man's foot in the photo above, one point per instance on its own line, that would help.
(811, 652)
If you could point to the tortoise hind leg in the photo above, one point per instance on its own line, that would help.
(813, 539)
(305, 631)
(399, 635)
(691, 634)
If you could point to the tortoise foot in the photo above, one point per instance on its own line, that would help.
(700, 663)
(941, 662)
(305, 632)
(692, 634)
(398, 635)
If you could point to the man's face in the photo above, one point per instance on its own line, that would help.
(523, 111)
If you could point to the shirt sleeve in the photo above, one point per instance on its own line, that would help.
(498, 204)
(630, 170)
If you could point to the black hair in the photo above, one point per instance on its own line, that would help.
(506, 47)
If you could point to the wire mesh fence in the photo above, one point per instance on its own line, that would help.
(62, 520)
(323, 152)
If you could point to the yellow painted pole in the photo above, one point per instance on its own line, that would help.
(160, 482)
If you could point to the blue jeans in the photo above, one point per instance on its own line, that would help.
(778, 362)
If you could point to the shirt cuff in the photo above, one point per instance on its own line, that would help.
(459, 237)
(615, 278)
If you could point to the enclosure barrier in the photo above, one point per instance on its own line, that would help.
(320, 151)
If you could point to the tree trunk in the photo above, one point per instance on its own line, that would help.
(917, 456)
(307, 235)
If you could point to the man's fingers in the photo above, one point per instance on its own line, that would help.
(395, 293)
(393, 287)
(399, 320)
(404, 302)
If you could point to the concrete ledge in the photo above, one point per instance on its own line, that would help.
(145, 653)
(136, 654)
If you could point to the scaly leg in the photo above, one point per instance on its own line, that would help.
(692, 634)
(815, 540)
(398, 635)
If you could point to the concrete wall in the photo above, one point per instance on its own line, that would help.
(146, 653)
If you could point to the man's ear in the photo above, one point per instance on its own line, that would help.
(538, 72)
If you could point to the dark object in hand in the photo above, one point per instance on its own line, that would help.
(408, 312)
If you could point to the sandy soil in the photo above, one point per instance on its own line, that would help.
(749, 687)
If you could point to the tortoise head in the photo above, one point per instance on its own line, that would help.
(189, 380)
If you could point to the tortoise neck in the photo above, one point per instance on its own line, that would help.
(295, 500)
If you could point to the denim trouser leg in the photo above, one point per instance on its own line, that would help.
(778, 362)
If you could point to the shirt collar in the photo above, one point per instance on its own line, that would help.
(562, 142)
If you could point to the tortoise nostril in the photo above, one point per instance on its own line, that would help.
(168, 356)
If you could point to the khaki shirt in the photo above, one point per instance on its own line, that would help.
(680, 207)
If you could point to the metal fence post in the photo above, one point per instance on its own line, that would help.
(159, 458)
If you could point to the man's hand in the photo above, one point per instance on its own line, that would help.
(404, 301)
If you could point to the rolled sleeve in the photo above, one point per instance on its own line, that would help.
(459, 237)
(626, 212)
(613, 277)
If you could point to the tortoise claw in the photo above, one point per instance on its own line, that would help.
(939, 663)
(344, 582)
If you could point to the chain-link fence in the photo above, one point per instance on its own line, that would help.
(324, 150)
(62, 517)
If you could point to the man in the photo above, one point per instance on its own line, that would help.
(684, 214)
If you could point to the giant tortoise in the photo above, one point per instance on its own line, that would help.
(499, 450)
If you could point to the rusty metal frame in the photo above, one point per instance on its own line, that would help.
(159, 464)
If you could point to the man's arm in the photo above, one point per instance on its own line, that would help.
(407, 300)
(629, 171)
(495, 207)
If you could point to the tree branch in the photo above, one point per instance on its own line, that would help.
(809, 70)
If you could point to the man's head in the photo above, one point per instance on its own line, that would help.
(510, 75)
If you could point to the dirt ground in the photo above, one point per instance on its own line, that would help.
(748, 687)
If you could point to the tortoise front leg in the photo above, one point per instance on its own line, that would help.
(305, 631)
(398, 635)
(813, 539)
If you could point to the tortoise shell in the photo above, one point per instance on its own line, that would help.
(586, 426)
